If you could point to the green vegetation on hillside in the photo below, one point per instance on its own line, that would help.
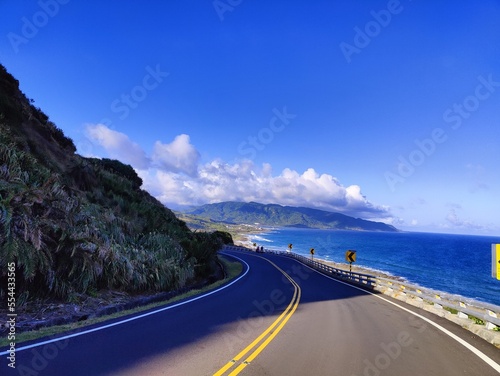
(77, 225)
(282, 216)
(236, 232)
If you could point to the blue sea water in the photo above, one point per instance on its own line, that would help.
(457, 264)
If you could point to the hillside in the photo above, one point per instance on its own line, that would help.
(73, 225)
(283, 216)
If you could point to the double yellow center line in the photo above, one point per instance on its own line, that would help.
(267, 336)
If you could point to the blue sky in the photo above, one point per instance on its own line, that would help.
(386, 110)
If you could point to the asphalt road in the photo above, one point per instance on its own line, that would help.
(278, 318)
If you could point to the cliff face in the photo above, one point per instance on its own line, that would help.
(72, 225)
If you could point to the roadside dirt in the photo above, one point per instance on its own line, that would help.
(50, 312)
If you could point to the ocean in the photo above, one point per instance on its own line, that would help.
(456, 264)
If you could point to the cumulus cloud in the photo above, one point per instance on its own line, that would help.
(178, 156)
(219, 181)
(118, 145)
(175, 176)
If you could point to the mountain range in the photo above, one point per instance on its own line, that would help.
(282, 216)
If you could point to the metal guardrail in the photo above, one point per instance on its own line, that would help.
(464, 307)
(365, 280)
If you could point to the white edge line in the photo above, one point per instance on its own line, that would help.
(132, 318)
(464, 343)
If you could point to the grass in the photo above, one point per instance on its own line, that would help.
(233, 269)
(476, 320)
(451, 310)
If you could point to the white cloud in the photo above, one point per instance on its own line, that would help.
(118, 145)
(178, 156)
(174, 175)
(218, 181)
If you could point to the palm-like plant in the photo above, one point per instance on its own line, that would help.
(26, 207)
(72, 224)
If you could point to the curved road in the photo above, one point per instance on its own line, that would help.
(279, 318)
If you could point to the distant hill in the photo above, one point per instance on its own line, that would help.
(283, 216)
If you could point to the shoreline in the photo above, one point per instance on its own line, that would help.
(465, 293)
(362, 270)
(468, 322)
(338, 265)
(248, 243)
(244, 238)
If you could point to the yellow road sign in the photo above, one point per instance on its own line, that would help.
(495, 261)
(350, 255)
(312, 251)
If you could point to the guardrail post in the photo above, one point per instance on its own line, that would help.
(390, 287)
(402, 290)
(437, 305)
(418, 298)
(490, 325)
(460, 313)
